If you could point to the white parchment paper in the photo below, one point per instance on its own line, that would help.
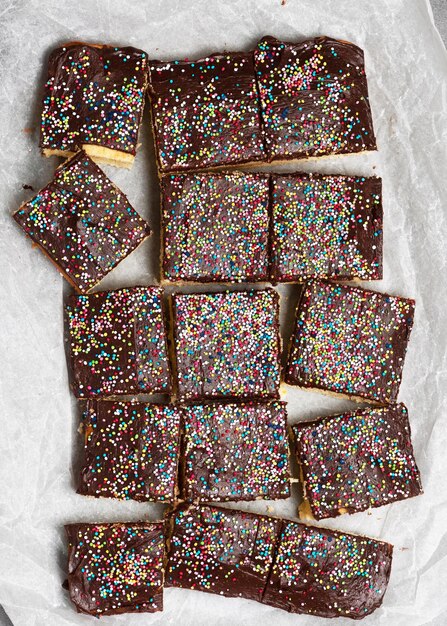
(407, 72)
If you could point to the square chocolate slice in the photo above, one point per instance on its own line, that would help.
(323, 572)
(326, 227)
(131, 451)
(314, 98)
(350, 340)
(117, 343)
(94, 99)
(236, 452)
(221, 551)
(205, 113)
(215, 227)
(116, 568)
(355, 461)
(82, 222)
(227, 345)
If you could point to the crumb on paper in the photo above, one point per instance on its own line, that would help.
(28, 187)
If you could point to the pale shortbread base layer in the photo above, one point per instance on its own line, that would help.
(335, 394)
(99, 154)
(252, 164)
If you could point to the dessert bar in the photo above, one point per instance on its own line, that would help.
(314, 98)
(82, 222)
(215, 227)
(205, 113)
(221, 551)
(227, 345)
(350, 340)
(288, 565)
(235, 452)
(326, 227)
(355, 461)
(116, 568)
(131, 450)
(117, 343)
(94, 99)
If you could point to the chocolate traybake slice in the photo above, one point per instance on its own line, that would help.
(314, 98)
(355, 461)
(94, 99)
(215, 227)
(116, 568)
(82, 222)
(117, 343)
(221, 551)
(235, 452)
(326, 227)
(327, 573)
(350, 341)
(288, 565)
(205, 113)
(227, 345)
(131, 451)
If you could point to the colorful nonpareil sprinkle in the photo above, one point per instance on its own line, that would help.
(205, 113)
(215, 227)
(117, 343)
(83, 222)
(327, 573)
(236, 452)
(350, 340)
(314, 98)
(93, 95)
(221, 551)
(227, 345)
(131, 451)
(357, 460)
(116, 568)
(326, 227)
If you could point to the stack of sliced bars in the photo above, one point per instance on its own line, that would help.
(222, 434)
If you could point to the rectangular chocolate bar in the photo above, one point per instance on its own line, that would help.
(205, 113)
(215, 227)
(117, 343)
(326, 227)
(82, 222)
(323, 572)
(131, 451)
(227, 345)
(288, 565)
(221, 551)
(235, 452)
(94, 99)
(355, 461)
(350, 340)
(314, 98)
(116, 568)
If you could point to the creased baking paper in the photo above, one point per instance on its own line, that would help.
(407, 71)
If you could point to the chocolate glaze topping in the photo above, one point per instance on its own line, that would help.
(326, 227)
(235, 452)
(117, 343)
(227, 345)
(206, 112)
(314, 98)
(83, 222)
(350, 340)
(131, 450)
(94, 94)
(116, 568)
(215, 227)
(357, 460)
(299, 568)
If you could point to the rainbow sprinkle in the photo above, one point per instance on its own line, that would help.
(227, 345)
(236, 452)
(350, 340)
(131, 451)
